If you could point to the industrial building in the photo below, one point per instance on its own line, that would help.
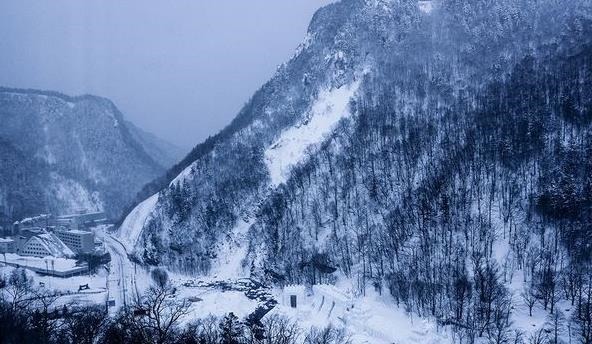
(46, 244)
(80, 220)
(77, 240)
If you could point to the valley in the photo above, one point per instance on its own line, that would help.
(417, 172)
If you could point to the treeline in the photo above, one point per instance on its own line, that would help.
(30, 314)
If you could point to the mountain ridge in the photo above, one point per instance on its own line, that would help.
(71, 138)
(451, 178)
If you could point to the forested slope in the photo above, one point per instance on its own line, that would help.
(61, 154)
(457, 179)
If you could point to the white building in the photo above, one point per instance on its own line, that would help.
(77, 240)
(46, 244)
(80, 220)
(324, 299)
(7, 245)
(294, 296)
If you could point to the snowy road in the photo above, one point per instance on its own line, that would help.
(122, 284)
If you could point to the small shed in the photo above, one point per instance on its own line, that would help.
(7, 245)
(293, 296)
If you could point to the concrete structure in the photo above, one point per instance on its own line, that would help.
(39, 221)
(7, 245)
(60, 267)
(294, 296)
(325, 299)
(77, 240)
(44, 245)
(80, 220)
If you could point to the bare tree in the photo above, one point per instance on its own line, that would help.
(19, 290)
(44, 320)
(280, 330)
(328, 335)
(556, 324)
(158, 313)
(538, 337)
(529, 298)
(583, 317)
(85, 326)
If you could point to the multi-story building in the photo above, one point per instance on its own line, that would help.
(46, 244)
(77, 240)
(80, 220)
(39, 221)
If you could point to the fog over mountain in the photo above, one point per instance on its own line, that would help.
(63, 154)
(181, 70)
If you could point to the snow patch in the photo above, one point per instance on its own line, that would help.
(134, 223)
(185, 175)
(372, 318)
(232, 252)
(291, 147)
(217, 303)
(73, 196)
(306, 42)
(426, 6)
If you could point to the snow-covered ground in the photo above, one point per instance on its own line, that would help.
(184, 176)
(216, 302)
(132, 226)
(67, 289)
(369, 319)
(49, 263)
(291, 147)
(232, 251)
(73, 195)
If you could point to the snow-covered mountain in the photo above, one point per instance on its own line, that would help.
(60, 154)
(431, 150)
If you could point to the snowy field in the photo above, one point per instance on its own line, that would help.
(369, 319)
(68, 290)
(49, 263)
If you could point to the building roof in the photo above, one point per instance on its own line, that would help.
(32, 220)
(53, 244)
(81, 214)
(77, 231)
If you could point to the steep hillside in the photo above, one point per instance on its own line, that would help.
(60, 154)
(435, 151)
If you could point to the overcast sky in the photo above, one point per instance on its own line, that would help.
(181, 69)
